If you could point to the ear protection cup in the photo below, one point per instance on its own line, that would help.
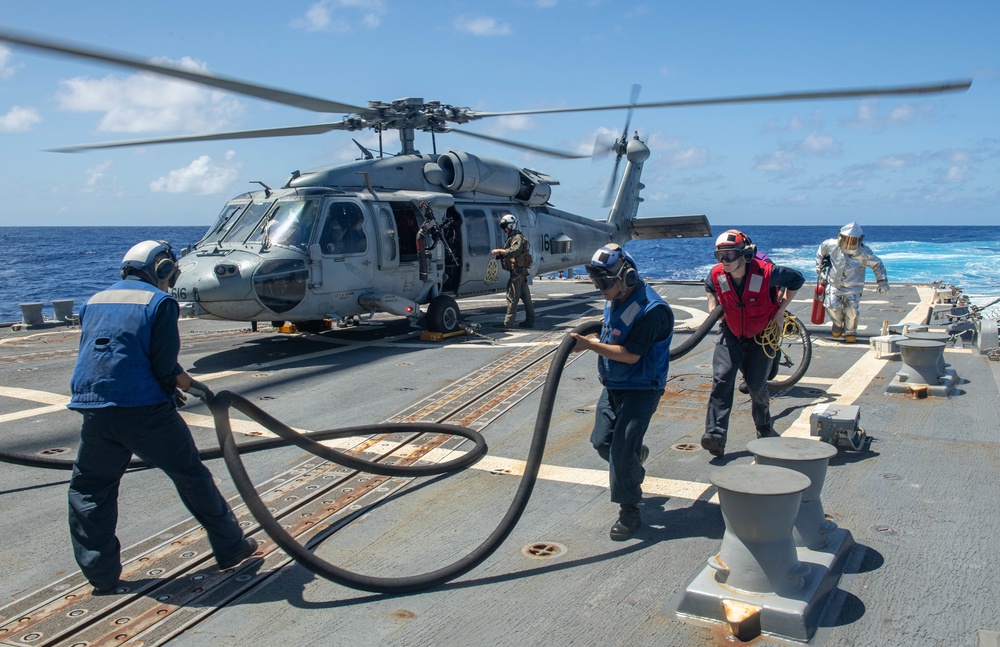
(164, 268)
(631, 277)
(749, 252)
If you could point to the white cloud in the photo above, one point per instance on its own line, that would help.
(6, 69)
(780, 161)
(869, 117)
(340, 16)
(795, 123)
(95, 175)
(816, 143)
(482, 26)
(19, 120)
(502, 126)
(146, 102)
(202, 176)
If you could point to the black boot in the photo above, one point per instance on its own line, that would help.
(628, 522)
(714, 443)
(766, 432)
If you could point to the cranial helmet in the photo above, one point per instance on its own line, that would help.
(731, 245)
(850, 237)
(152, 260)
(610, 265)
(508, 222)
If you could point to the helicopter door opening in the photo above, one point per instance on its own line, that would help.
(476, 244)
(452, 233)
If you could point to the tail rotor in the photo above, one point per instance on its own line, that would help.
(619, 146)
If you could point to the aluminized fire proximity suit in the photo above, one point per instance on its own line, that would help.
(845, 282)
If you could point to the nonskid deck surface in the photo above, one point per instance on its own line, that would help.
(920, 502)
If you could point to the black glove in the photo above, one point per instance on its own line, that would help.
(179, 398)
(202, 392)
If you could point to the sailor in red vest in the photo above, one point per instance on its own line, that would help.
(753, 294)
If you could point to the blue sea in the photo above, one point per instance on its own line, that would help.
(51, 263)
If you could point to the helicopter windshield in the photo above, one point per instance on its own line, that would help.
(239, 231)
(291, 224)
(228, 217)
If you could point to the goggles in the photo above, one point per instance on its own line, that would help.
(728, 255)
(601, 279)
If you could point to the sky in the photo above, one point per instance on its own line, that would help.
(922, 160)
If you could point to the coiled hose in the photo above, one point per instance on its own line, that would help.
(221, 403)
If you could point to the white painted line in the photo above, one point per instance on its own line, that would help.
(42, 397)
(30, 413)
(852, 383)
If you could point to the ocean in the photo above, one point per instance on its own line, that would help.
(42, 264)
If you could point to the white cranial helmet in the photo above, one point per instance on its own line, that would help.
(508, 222)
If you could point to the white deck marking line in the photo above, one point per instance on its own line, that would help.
(854, 380)
(54, 402)
(691, 490)
(30, 413)
(33, 395)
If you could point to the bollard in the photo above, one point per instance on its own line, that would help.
(942, 337)
(31, 313)
(63, 309)
(809, 458)
(759, 582)
(920, 372)
(759, 505)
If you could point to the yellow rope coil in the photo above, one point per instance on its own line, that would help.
(770, 340)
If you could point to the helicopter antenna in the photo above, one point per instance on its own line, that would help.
(364, 151)
(267, 189)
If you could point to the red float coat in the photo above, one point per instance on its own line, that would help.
(747, 314)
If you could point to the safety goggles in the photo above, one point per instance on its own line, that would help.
(602, 280)
(727, 255)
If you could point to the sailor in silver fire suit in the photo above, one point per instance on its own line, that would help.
(847, 257)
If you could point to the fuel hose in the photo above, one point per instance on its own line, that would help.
(221, 403)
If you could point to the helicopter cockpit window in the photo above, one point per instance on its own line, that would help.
(247, 224)
(290, 224)
(228, 217)
(343, 230)
(477, 232)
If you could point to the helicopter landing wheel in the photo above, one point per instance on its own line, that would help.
(442, 315)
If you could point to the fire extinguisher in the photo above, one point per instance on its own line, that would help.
(818, 311)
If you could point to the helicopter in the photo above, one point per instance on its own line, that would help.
(392, 233)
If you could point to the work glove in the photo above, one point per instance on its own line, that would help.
(179, 398)
(883, 286)
(201, 391)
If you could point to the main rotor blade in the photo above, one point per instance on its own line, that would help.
(509, 142)
(289, 131)
(233, 85)
(930, 88)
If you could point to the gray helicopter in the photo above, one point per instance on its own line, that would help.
(394, 233)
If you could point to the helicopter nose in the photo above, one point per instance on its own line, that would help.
(218, 288)
(242, 288)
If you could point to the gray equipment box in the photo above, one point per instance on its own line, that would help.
(828, 421)
(886, 344)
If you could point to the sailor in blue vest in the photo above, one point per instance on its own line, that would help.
(126, 385)
(634, 354)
